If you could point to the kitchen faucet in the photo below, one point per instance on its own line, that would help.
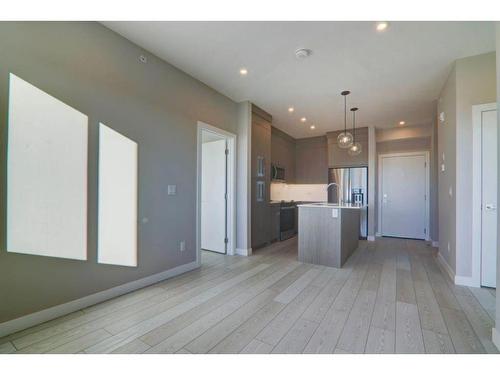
(339, 191)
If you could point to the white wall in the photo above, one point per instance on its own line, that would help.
(475, 85)
(471, 81)
(496, 331)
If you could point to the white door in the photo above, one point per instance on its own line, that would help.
(403, 196)
(489, 198)
(213, 191)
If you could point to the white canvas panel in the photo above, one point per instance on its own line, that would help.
(117, 233)
(46, 174)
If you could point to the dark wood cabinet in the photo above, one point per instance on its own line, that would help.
(261, 177)
(311, 161)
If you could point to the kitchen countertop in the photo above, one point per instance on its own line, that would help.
(297, 202)
(330, 205)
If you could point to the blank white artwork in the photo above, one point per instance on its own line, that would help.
(117, 232)
(46, 174)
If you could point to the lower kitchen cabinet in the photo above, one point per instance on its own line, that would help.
(275, 222)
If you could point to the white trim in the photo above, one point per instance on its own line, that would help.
(445, 267)
(370, 238)
(231, 181)
(435, 244)
(495, 337)
(42, 316)
(464, 280)
(244, 252)
(427, 188)
(477, 111)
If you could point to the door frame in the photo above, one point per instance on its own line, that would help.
(477, 111)
(231, 187)
(427, 188)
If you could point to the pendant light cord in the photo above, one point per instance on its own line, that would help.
(354, 127)
(345, 113)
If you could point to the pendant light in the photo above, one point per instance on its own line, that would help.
(344, 140)
(355, 148)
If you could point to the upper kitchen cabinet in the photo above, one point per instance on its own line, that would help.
(311, 160)
(339, 158)
(283, 153)
(261, 176)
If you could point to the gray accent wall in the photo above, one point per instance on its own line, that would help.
(99, 73)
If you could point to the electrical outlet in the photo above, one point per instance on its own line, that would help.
(450, 191)
(443, 168)
(335, 212)
(183, 245)
(448, 247)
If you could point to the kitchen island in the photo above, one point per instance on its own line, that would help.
(328, 233)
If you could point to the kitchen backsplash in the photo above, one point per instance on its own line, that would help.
(299, 192)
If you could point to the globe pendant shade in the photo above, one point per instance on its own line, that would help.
(344, 140)
(355, 149)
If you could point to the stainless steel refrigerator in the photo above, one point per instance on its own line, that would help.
(353, 184)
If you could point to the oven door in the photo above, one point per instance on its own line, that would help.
(287, 222)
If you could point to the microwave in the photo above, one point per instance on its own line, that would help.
(278, 173)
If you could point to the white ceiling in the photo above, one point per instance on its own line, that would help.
(395, 75)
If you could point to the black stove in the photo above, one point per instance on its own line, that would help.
(287, 219)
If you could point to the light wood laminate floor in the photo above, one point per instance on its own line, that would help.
(390, 297)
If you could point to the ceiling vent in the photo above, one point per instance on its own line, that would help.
(303, 53)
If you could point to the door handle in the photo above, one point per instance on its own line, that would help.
(490, 207)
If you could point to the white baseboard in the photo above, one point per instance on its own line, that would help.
(42, 316)
(435, 244)
(244, 252)
(370, 238)
(495, 337)
(465, 281)
(446, 267)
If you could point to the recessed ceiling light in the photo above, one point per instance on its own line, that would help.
(303, 119)
(243, 71)
(312, 127)
(291, 109)
(382, 26)
(402, 123)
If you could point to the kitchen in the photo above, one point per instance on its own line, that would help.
(299, 172)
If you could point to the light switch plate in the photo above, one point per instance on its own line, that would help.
(335, 212)
(172, 189)
(442, 117)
